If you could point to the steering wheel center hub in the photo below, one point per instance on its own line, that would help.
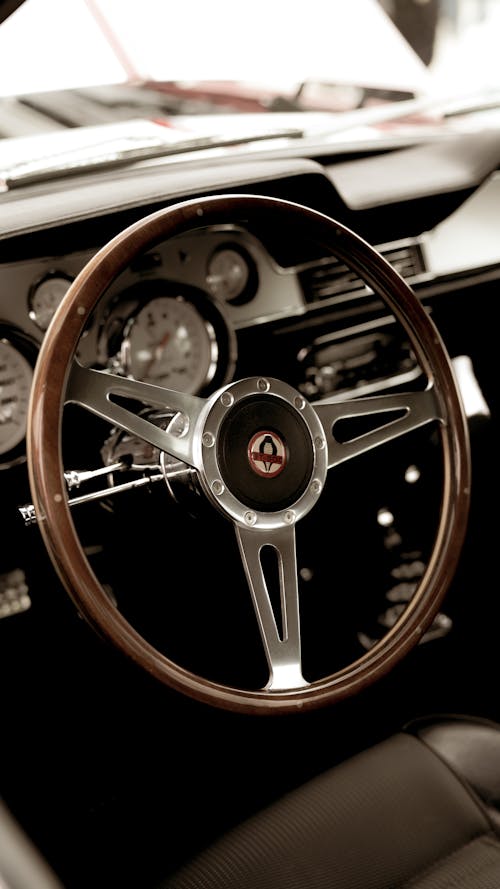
(264, 453)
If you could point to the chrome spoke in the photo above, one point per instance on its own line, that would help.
(417, 409)
(92, 389)
(282, 650)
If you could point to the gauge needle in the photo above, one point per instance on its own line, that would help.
(157, 352)
(161, 345)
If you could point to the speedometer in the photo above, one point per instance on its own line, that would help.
(16, 375)
(168, 343)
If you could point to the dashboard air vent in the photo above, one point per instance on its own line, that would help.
(330, 279)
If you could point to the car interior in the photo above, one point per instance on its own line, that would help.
(248, 437)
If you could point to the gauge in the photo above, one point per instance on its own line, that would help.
(16, 375)
(45, 297)
(231, 275)
(168, 343)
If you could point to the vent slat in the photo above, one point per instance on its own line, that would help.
(332, 278)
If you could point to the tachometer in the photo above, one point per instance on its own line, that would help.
(168, 343)
(16, 376)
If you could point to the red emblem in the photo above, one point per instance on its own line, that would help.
(267, 453)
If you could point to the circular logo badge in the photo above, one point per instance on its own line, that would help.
(267, 454)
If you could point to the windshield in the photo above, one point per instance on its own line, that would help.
(277, 45)
(74, 63)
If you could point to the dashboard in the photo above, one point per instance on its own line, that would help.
(176, 315)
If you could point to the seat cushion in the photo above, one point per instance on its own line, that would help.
(393, 816)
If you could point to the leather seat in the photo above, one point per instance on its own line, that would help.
(416, 811)
(420, 810)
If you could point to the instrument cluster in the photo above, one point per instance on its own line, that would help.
(170, 319)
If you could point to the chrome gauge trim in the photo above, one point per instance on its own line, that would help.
(208, 458)
(187, 335)
(232, 275)
(45, 295)
(16, 375)
(111, 334)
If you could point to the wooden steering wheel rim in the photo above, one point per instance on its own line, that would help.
(46, 467)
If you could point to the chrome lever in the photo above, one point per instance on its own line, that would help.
(28, 512)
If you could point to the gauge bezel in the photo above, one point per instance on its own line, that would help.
(35, 286)
(138, 295)
(207, 359)
(250, 287)
(26, 347)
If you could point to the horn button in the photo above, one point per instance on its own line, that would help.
(264, 452)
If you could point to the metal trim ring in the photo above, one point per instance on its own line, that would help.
(211, 476)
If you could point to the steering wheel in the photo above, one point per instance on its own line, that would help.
(261, 452)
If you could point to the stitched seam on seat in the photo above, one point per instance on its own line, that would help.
(489, 838)
(473, 794)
